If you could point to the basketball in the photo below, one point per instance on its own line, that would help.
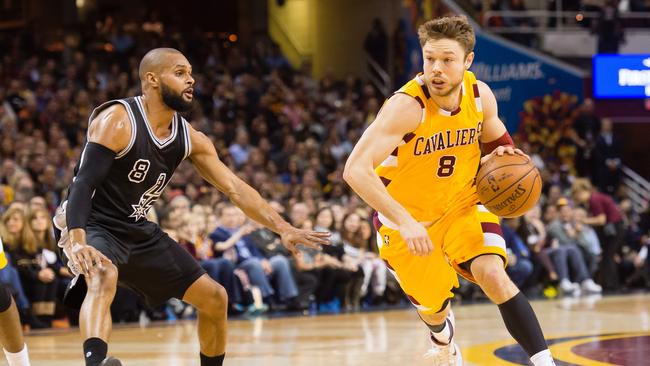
(508, 185)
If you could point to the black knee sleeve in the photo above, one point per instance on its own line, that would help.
(5, 298)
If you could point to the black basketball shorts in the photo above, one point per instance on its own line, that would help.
(157, 270)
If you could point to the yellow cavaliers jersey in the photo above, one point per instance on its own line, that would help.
(432, 170)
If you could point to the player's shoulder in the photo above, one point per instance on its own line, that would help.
(113, 116)
(401, 110)
(111, 127)
(404, 101)
(483, 88)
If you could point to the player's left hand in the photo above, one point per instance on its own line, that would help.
(313, 239)
(500, 150)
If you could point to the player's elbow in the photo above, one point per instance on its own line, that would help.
(350, 172)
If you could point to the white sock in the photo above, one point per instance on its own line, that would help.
(543, 358)
(446, 334)
(20, 358)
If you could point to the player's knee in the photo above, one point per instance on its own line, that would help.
(490, 276)
(105, 280)
(216, 300)
(220, 297)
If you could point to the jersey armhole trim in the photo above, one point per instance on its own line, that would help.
(134, 130)
(188, 141)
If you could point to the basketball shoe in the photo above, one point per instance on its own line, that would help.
(445, 354)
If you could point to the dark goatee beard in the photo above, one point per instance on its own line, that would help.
(175, 101)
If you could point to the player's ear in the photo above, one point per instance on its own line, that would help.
(152, 79)
(468, 60)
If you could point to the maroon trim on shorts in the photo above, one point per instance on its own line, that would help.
(490, 227)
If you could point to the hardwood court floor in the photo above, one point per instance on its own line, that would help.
(591, 331)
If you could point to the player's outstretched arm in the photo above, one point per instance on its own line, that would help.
(400, 115)
(494, 137)
(212, 169)
(108, 134)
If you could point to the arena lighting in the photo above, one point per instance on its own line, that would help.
(232, 38)
(80, 3)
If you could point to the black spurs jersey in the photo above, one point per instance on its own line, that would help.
(138, 175)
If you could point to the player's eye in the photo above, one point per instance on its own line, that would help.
(179, 73)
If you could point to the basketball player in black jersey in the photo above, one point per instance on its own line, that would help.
(134, 145)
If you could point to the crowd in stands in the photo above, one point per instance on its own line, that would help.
(288, 135)
(601, 17)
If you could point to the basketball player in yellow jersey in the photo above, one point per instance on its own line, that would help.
(415, 165)
(11, 333)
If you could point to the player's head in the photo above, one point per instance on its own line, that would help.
(447, 50)
(167, 72)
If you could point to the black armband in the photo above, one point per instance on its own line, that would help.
(96, 162)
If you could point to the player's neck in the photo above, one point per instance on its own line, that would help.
(450, 102)
(158, 114)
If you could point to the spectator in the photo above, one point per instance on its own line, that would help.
(195, 238)
(566, 255)
(587, 128)
(520, 268)
(268, 243)
(12, 230)
(39, 265)
(607, 153)
(609, 28)
(607, 220)
(354, 253)
(233, 234)
(376, 44)
(374, 269)
(333, 277)
(587, 240)
(241, 148)
(533, 231)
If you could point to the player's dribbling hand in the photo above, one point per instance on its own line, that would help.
(313, 239)
(87, 259)
(416, 237)
(500, 150)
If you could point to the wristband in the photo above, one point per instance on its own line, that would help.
(504, 140)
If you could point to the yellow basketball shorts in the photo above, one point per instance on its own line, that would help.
(457, 237)
(3, 258)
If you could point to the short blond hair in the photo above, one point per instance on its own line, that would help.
(455, 27)
(581, 184)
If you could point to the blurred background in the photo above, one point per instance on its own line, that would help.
(285, 88)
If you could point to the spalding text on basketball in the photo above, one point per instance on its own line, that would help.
(519, 191)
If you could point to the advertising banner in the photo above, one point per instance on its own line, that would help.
(621, 76)
(517, 75)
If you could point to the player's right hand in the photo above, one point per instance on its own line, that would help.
(416, 237)
(87, 259)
